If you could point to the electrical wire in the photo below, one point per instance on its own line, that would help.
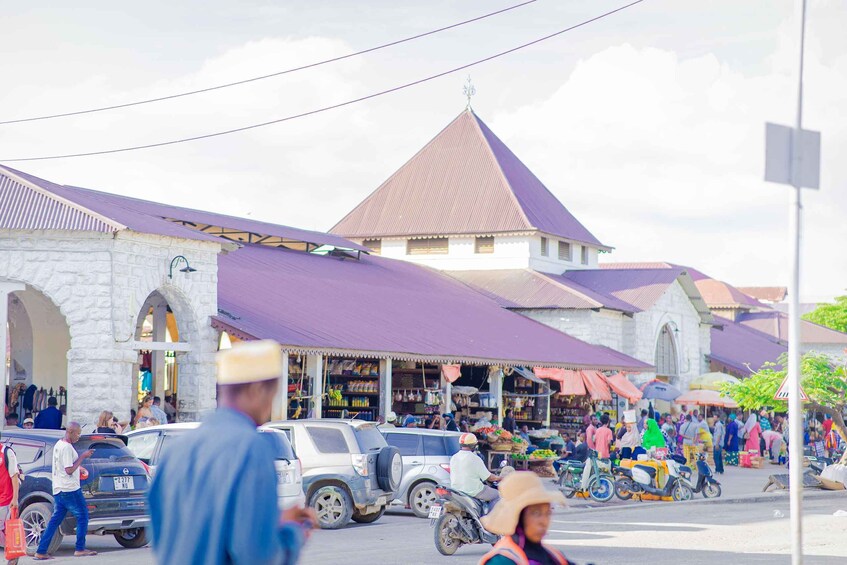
(271, 75)
(334, 106)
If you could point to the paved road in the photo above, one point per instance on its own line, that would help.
(619, 533)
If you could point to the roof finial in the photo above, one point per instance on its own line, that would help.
(469, 90)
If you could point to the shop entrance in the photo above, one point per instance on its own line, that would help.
(36, 341)
(667, 362)
(156, 371)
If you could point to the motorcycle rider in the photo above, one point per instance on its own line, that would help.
(468, 473)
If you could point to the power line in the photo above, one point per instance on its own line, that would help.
(262, 77)
(334, 106)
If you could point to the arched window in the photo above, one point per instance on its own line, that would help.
(666, 357)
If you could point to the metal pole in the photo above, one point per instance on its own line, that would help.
(795, 408)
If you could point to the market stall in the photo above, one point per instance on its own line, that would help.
(417, 390)
(351, 388)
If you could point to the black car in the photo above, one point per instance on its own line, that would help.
(115, 489)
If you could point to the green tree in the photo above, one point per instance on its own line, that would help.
(833, 315)
(823, 380)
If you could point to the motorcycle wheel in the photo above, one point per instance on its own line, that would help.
(445, 544)
(624, 489)
(711, 490)
(601, 488)
(681, 492)
(566, 484)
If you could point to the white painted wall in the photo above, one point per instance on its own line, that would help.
(510, 252)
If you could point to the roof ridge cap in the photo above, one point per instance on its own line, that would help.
(501, 173)
(61, 199)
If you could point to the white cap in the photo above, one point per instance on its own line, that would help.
(249, 362)
(392, 417)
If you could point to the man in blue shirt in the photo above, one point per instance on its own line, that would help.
(213, 500)
(51, 417)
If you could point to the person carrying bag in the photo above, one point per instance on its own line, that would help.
(10, 481)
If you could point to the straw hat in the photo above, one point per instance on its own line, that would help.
(249, 362)
(517, 491)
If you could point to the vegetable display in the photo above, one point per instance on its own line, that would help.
(543, 454)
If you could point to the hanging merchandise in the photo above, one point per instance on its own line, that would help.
(145, 381)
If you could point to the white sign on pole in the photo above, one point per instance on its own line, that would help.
(782, 391)
(778, 156)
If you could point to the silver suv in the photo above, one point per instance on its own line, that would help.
(426, 463)
(349, 471)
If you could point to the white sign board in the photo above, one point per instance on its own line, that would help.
(782, 392)
(778, 156)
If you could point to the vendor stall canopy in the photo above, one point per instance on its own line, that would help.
(300, 287)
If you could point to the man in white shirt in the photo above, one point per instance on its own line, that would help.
(157, 411)
(468, 473)
(67, 493)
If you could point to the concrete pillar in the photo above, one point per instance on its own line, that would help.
(386, 396)
(315, 371)
(280, 409)
(5, 289)
(160, 319)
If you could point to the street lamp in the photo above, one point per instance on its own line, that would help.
(176, 261)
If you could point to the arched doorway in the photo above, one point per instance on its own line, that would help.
(36, 340)
(162, 340)
(666, 361)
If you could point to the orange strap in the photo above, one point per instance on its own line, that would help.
(507, 547)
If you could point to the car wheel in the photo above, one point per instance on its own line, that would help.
(35, 518)
(134, 538)
(422, 498)
(368, 518)
(333, 506)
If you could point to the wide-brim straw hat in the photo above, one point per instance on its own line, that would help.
(517, 491)
(250, 362)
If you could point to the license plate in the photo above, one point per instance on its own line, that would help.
(124, 483)
(434, 511)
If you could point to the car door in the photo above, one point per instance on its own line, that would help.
(413, 458)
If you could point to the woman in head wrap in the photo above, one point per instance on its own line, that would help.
(652, 436)
(731, 444)
(629, 441)
(753, 432)
(522, 517)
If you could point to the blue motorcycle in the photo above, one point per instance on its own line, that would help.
(706, 482)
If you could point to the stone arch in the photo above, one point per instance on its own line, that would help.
(192, 368)
(667, 352)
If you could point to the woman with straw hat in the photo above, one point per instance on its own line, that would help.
(522, 517)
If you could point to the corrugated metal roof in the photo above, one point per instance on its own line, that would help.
(145, 216)
(719, 294)
(386, 307)
(464, 181)
(639, 287)
(27, 207)
(742, 348)
(525, 288)
(775, 324)
(769, 293)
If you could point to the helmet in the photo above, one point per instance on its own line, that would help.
(392, 417)
(468, 440)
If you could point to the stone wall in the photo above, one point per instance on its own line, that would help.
(98, 282)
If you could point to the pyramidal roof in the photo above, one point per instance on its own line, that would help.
(464, 181)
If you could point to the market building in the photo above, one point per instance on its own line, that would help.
(109, 298)
(466, 204)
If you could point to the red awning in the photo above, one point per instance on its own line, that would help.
(571, 381)
(595, 382)
(621, 385)
(451, 372)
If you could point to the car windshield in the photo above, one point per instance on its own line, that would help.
(112, 449)
(369, 438)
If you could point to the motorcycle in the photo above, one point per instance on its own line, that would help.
(455, 517)
(593, 477)
(706, 482)
(642, 479)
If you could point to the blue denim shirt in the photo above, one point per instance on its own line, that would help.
(214, 500)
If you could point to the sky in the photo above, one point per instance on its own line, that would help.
(648, 125)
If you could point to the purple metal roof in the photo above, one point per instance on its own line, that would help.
(524, 288)
(738, 346)
(775, 324)
(148, 217)
(26, 209)
(464, 181)
(386, 307)
(639, 287)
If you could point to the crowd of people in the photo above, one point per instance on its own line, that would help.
(724, 433)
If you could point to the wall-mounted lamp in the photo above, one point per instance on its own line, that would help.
(176, 261)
